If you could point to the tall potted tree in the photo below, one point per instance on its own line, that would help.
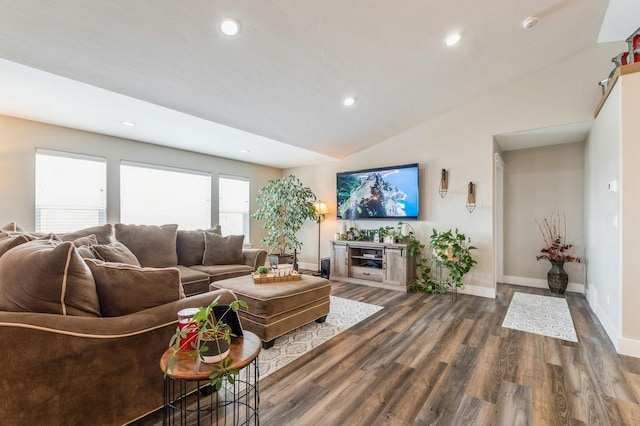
(284, 204)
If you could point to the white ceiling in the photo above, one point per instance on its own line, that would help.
(275, 90)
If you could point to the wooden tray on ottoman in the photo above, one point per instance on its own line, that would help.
(272, 278)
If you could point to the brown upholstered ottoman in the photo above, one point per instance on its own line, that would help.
(280, 307)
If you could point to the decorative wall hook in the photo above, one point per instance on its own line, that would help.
(471, 197)
(444, 183)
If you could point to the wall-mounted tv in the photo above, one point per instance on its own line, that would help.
(381, 193)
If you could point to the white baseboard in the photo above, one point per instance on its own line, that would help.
(475, 290)
(309, 266)
(538, 283)
(629, 347)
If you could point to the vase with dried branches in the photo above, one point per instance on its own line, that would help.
(555, 250)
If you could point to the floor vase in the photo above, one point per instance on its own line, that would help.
(557, 277)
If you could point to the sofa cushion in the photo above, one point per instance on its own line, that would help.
(49, 277)
(125, 289)
(222, 272)
(115, 252)
(219, 250)
(103, 233)
(193, 282)
(7, 242)
(154, 246)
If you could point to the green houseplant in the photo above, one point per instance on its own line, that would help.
(209, 339)
(451, 250)
(284, 204)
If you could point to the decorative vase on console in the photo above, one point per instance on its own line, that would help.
(554, 233)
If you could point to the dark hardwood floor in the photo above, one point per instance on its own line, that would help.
(430, 360)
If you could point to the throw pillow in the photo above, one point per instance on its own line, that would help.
(49, 277)
(190, 247)
(12, 227)
(7, 242)
(83, 246)
(103, 233)
(125, 289)
(116, 252)
(154, 246)
(219, 250)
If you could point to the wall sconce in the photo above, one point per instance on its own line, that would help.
(471, 197)
(444, 183)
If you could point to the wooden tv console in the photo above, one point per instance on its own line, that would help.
(375, 264)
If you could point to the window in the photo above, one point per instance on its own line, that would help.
(234, 206)
(70, 191)
(157, 195)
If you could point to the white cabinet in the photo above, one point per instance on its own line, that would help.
(376, 264)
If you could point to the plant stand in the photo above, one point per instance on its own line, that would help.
(443, 279)
(236, 403)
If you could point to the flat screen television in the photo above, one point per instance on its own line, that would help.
(381, 193)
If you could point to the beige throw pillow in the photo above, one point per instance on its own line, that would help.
(219, 250)
(154, 246)
(116, 252)
(49, 277)
(125, 289)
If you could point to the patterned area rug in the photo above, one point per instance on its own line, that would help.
(545, 315)
(343, 314)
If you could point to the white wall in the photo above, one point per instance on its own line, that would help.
(461, 140)
(539, 181)
(630, 214)
(20, 138)
(602, 208)
(612, 223)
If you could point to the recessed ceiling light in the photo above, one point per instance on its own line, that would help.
(530, 22)
(452, 39)
(244, 151)
(349, 101)
(128, 123)
(229, 27)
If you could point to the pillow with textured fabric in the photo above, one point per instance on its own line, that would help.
(125, 289)
(103, 233)
(219, 250)
(83, 246)
(115, 252)
(89, 240)
(12, 227)
(190, 247)
(154, 246)
(47, 276)
(7, 242)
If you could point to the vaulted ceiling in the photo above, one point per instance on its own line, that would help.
(277, 87)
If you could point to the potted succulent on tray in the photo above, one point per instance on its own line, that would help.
(209, 333)
(284, 204)
(555, 251)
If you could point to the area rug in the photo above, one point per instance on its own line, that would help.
(545, 315)
(343, 314)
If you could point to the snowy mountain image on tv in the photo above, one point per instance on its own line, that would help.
(390, 192)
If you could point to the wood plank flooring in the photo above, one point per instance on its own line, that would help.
(428, 360)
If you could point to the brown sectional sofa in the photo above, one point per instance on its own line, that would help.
(81, 339)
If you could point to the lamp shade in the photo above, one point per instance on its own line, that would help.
(321, 207)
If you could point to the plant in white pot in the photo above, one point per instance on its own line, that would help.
(209, 334)
(284, 204)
